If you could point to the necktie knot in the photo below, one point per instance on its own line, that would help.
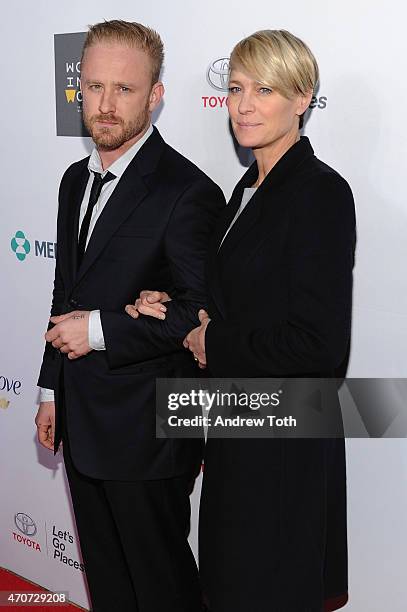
(97, 185)
(98, 181)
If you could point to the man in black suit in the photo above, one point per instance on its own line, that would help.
(133, 214)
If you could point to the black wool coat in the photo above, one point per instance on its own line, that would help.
(273, 511)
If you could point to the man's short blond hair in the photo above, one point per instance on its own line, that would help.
(279, 60)
(132, 34)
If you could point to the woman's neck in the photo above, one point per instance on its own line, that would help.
(268, 156)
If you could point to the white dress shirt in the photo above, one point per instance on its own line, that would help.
(96, 338)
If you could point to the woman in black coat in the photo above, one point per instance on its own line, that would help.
(273, 511)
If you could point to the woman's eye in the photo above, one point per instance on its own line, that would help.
(234, 89)
(265, 90)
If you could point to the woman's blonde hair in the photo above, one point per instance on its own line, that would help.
(279, 60)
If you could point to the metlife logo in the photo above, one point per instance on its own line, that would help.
(20, 245)
(23, 247)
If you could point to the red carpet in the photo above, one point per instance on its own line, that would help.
(14, 583)
(335, 603)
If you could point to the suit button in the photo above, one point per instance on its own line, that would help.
(73, 303)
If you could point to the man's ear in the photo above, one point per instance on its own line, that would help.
(157, 92)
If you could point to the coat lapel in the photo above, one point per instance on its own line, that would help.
(277, 177)
(224, 222)
(242, 225)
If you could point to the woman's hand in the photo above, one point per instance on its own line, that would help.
(195, 340)
(149, 303)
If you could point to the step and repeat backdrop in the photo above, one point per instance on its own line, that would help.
(356, 124)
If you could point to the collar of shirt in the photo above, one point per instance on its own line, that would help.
(119, 166)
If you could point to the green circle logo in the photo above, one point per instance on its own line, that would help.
(20, 245)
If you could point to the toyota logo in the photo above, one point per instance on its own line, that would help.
(25, 524)
(218, 74)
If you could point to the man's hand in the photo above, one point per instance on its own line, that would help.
(45, 422)
(195, 340)
(149, 303)
(71, 333)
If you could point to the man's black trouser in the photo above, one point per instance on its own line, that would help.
(133, 537)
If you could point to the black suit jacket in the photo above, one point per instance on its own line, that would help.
(152, 233)
(273, 512)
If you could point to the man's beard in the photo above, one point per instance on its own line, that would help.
(108, 138)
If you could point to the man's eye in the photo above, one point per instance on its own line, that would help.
(124, 88)
(94, 86)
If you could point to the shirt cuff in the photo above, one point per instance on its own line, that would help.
(96, 337)
(47, 395)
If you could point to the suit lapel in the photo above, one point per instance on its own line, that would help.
(75, 197)
(127, 196)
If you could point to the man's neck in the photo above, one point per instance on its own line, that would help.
(108, 157)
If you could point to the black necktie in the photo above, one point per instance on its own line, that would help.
(97, 185)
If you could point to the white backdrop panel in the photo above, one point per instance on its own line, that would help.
(361, 51)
